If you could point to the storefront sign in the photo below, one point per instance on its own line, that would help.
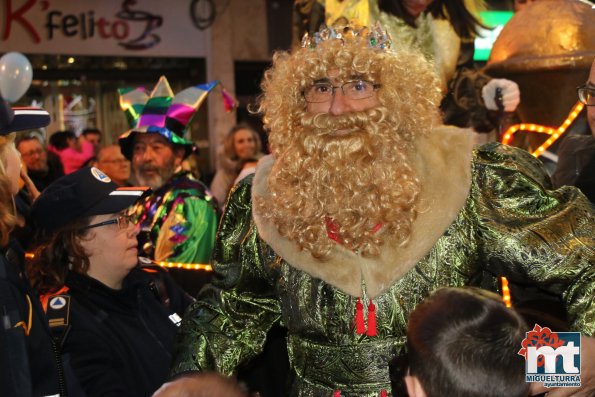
(90, 27)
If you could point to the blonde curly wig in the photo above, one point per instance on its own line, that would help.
(359, 187)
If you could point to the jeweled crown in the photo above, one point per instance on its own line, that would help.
(375, 37)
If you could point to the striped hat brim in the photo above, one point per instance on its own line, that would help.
(117, 200)
(23, 119)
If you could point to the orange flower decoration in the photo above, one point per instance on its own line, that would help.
(539, 337)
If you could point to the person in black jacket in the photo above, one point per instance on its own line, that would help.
(576, 154)
(122, 316)
(28, 366)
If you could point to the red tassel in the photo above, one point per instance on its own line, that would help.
(332, 230)
(360, 328)
(371, 319)
(383, 393)
(337, 393)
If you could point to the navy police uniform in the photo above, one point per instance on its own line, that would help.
(28, 364)
(119, 342)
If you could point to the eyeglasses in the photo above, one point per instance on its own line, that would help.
(32, 153)
(352, 90)
(123, 221)
(586, 95)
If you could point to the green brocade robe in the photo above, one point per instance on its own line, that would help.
(485, 212)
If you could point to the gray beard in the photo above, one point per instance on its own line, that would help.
(154, 181)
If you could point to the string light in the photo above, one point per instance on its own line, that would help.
(176, 265)
(557, 134)
(505, 292)
(554, 133)
(185, 266)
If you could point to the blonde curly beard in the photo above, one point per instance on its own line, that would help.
(351, 170)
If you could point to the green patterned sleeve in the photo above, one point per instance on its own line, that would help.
(199, 220)
(535, 235)
(228, 323)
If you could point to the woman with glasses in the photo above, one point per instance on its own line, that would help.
(121, 317)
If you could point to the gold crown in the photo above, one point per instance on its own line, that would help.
(376, 37)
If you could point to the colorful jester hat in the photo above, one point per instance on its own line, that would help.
(162, 112)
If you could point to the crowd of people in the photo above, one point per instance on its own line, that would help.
(375, 233)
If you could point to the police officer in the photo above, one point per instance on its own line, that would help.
(28, 365)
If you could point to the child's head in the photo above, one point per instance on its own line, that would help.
(464, 342)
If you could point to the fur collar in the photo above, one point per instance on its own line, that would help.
(443, 160)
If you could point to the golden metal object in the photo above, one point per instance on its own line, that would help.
(547, 48)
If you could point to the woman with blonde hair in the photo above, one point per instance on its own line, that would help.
(29, 366)
(241, 149)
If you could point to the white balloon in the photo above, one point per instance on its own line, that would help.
(16, 74)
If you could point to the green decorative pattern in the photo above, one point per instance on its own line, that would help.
(511, 225)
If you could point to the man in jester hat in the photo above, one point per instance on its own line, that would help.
(366, 205)
(179, 219)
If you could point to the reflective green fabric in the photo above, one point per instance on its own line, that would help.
(511, 225)
(178, 221)
(326, 364)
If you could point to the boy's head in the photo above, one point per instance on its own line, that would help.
(464, 342)
(93, 135)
